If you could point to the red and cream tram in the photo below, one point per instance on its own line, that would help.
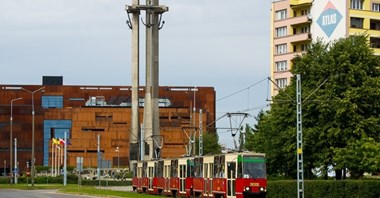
(230, 175)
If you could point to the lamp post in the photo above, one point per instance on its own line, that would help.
(33, 160)
(118, 157)
(11, 140)
(16, 165)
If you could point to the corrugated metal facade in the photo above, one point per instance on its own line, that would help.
(86, 111)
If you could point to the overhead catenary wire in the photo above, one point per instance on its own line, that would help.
(247, 88)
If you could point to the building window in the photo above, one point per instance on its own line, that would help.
(281, 31)
(281, 14)
(375, 42)
(356, 22)
(357, 4)
(281, 49)
(304, 47)
(282, 82)
(305, 12)
(376, 7)
(281, 66)
(52, 101)
(305, 29)
(374, 24)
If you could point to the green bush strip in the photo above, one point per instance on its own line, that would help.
(326, 188)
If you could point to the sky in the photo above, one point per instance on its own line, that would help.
(214, 43)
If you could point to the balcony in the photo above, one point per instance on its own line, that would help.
(293, 38)
(304, 19)
(300, 2)
(286, 56)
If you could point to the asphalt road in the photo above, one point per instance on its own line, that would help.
(9, 193)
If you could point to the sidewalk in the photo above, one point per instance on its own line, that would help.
(116, 188)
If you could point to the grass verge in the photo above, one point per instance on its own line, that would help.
(90, 190)
(74, 189)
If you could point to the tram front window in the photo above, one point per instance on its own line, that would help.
(254, 167)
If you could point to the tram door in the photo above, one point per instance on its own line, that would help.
(167, 173)
(231, 179)
(182, 177)
(151, 173)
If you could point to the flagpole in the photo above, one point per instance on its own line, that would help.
(65, 162)
(60, 159)
(52, 157)
(56, 160)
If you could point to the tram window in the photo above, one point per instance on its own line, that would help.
(222, 169)
(254, 167)
(190, 169)
(144, 169)
(231, 170)
(160, 169)
(211, 170)
(174, 168)
(198, 167)
(182, 171)
(134, 170)
(216, 166)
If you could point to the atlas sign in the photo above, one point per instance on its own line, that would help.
(329, 19)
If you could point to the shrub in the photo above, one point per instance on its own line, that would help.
(326, 188)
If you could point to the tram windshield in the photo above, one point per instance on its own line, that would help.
(252, 167)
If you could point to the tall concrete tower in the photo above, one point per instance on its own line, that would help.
(151, 126)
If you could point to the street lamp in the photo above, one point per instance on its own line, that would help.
(33, 161)
(11, 140)
(118, 157)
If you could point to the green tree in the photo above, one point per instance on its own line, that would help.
(210, 143)
(359, 155)
(341, 113)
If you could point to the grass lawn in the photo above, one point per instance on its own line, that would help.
(74, 189)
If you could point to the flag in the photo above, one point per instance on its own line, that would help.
(61, 141)
(55, 141)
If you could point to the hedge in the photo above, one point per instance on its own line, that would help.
(326, 188)
(71, 179)
(276, 189)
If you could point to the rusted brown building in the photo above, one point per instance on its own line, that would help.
(83, 112)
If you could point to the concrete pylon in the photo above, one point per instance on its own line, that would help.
(148, 106)
(155, 88)
(151, 107)
(135, 125)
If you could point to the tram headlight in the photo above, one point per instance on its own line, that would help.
(247, 188)
(262, 189)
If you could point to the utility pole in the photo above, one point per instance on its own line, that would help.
(200, 133)
(33, 168)
(300, 180)
(10, 140)
(16, 167)
(99, 159)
